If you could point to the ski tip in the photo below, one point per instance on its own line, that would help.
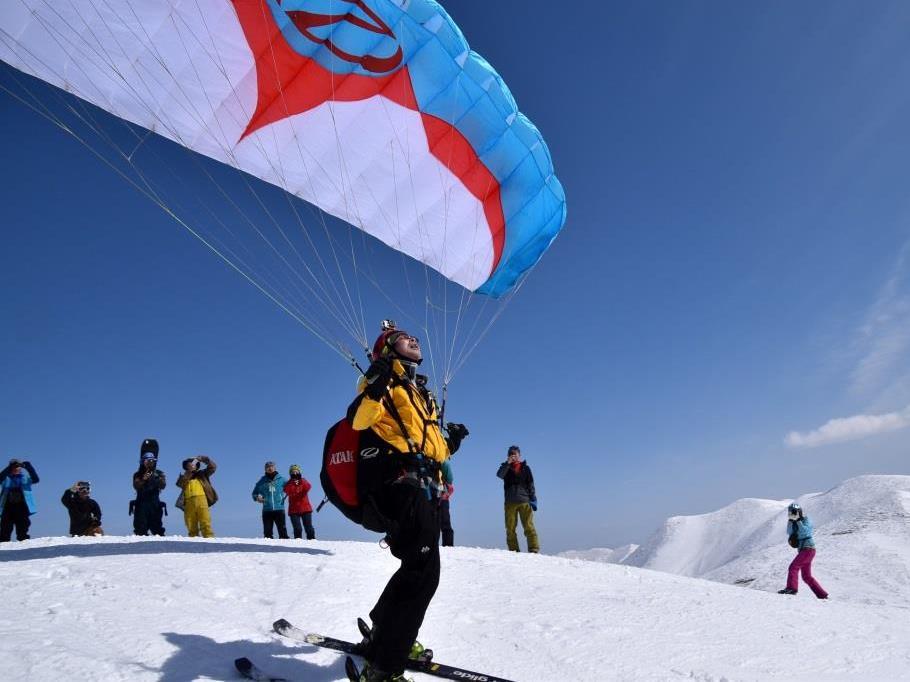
(280, 624)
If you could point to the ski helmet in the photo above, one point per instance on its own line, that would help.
(384, 347)
(794, 508)
(295, 468)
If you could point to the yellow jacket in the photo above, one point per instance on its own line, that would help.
(419, 419)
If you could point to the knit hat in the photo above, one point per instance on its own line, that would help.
(149, 445)
(294, 467)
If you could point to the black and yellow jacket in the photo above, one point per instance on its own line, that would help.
(418, 418)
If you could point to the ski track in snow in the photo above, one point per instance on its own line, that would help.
(128, 608)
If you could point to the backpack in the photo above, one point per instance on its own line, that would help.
(355, 465)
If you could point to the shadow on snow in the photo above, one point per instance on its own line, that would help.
(121, 548)
(202, 657)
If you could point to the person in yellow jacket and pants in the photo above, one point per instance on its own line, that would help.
(391, 405)
(197, 496)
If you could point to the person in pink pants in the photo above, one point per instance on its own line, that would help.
(799, 531)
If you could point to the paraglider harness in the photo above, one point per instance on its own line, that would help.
(356, 465)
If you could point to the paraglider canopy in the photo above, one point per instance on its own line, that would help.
(375, 111)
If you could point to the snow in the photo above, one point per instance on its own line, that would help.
(128, 608)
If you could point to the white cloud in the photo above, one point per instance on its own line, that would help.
(849, 428)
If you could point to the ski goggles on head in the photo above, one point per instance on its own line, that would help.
(83, 487)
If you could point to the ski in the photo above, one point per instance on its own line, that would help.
(448, 672)
(249, 670)
(350, 669)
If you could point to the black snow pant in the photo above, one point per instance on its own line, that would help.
(148, 517)
(414, 539)
(15, 514)
(274, 518)
(302, 522)
(445, 524)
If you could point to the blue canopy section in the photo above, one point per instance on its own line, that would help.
(458, 86)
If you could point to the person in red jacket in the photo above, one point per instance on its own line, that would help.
(299, 508)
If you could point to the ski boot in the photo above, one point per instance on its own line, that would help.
(787, 590)
(418, 651)
(370, 673)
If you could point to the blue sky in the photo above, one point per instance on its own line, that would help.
(726, 314)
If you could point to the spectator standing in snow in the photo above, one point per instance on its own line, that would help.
(799, 533)
(16, 501)
(197, 496)
(521, 499)
(299, 508)
(148, 482)
(269, 492)
(85, 513)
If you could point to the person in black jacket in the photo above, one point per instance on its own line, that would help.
(85, 514)
(148, 482)
(521, 499)
(16, 501)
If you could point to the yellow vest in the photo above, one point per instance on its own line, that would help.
(420, 420)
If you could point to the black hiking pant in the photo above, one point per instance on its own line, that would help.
(302, 522)
(148, 517)
(14, 515)
(274, 518)
(445, 524)
(414, 540)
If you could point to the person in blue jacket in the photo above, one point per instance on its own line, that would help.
(16, 501)
(799, 533)
(269, 492)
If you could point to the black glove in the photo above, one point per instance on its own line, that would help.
(457, 432)
(378, 376)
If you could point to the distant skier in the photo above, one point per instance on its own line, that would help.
(148, 482)
(393, 408)
(799, 532)
(16, 501)
(85, 513)
(197, 496)
(269, 492)
(299, 508)
(521, 500)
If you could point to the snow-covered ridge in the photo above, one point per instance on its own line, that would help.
(602, 554)
(862, 531)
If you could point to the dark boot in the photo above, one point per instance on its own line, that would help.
(786, 590)
(372, 674)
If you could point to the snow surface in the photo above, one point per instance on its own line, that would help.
(174, 609)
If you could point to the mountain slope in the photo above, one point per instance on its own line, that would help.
(182, 609)
(862, 529)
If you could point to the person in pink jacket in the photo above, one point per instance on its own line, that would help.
(299, 508)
